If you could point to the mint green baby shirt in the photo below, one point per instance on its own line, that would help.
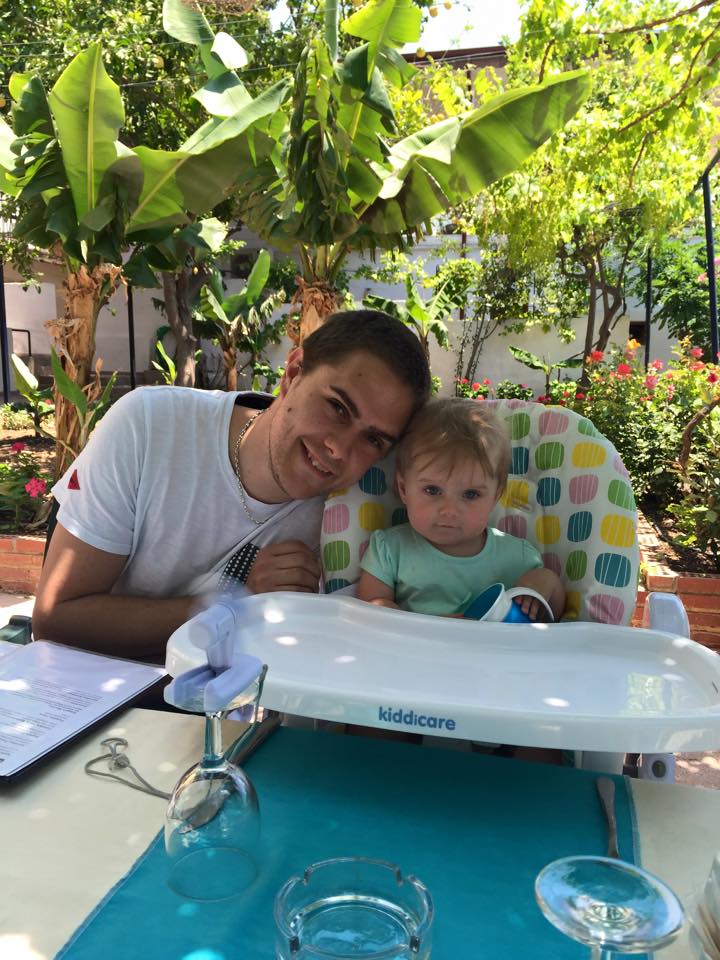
(426, 580)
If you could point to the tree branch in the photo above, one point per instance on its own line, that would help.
(688, 431)
(548, 48)
(638, 27)
(683, 87)
(635, 165)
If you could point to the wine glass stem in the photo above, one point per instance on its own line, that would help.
(213, 738)
(597, 953)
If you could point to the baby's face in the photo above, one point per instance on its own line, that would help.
(450, 507)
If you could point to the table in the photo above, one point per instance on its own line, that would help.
(67, 838)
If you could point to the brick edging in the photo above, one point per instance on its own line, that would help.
(21, 558)
(700, 593)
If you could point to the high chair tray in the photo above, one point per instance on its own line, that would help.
(579, 686)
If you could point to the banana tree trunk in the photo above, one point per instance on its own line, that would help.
(318, 299)
(178, 310)
(86, 292)
(230, 365)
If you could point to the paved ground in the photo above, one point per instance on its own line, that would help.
(696, 769)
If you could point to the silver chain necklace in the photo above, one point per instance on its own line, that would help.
(243, 496)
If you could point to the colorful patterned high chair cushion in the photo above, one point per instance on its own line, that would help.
(568, 493)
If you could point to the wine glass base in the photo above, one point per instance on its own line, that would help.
(213, 873)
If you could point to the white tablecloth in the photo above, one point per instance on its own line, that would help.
(66, 838)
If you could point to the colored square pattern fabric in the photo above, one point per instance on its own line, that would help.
(568, 493)
(476, 829)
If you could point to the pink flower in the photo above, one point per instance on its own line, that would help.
(657, 364)
(35, 487)
(464, 380)
(480, 397)
(487, 382)
(696, 352)
(18, 446)
(476, 386)
(624, 370)
(651, 382)
(698, 365)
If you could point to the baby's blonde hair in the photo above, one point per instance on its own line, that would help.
(454, 430)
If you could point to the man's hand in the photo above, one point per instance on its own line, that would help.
(285, 566)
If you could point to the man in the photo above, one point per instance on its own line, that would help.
(180, 492)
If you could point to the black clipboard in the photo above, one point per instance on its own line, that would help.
(65, 693)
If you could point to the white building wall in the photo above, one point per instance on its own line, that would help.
(29, 309)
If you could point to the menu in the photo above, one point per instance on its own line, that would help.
(50, 693)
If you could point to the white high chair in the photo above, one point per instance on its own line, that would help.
(568, 493)
(596, 688)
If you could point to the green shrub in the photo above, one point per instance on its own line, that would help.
(14, 418)
(24, 490)
(644, 413)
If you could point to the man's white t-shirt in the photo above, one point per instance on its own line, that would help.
(155, 483)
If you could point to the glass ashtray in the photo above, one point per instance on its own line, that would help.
(353, 907)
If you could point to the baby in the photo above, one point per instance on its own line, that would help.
(452, 467)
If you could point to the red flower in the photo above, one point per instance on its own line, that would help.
(651, 382)
(35, 487)
(487, 382)
(657, 364)
(696, 352)
(579, 396)
(476, 386)
(464, 380)
(17, 447)
(596, 356)
(713, 377)
(624, 370)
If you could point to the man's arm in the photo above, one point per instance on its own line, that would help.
(74, 604)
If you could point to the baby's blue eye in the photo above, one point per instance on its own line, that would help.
(471, 494)
(431, 490)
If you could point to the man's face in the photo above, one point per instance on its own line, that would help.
(331, 424)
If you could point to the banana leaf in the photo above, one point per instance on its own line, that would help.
(450, 161)
(88, 112)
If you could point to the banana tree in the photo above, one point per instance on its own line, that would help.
(179, 264)
(87, 196)
(534, 362)
(242, 322)
(335, 179)
(424, 316)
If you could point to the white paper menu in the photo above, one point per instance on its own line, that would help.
(49, 693)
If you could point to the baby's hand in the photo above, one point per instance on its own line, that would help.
(533, 608)
(379, 602)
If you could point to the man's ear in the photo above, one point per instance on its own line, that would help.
(293, 369)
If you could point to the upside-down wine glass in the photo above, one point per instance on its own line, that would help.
(609, 905)
(212, 824)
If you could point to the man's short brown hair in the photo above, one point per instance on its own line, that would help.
(454, 430)
(377, 333)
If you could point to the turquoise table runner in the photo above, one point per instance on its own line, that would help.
(475, 829)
